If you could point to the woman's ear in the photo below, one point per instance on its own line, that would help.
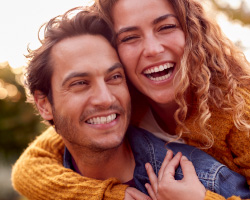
(43, 105)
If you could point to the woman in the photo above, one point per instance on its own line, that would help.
(195, 80)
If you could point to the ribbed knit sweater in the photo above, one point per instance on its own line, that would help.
(39, 174)
(231, 146)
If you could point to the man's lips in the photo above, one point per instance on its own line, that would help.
(102, 119)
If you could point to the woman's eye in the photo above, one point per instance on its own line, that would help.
(128, 39)
(167, 27)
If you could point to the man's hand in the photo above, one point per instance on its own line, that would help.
(165, 187)
(134, 194)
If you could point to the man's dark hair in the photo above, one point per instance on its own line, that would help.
(77, 21)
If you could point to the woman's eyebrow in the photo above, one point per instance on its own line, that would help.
(134, 28)
(126, 29)
(163, 17)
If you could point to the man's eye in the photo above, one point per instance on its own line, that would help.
(78, 83)
(117, 76)
(116, 79)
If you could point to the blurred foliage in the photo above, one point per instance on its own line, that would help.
(18, 123)
(241, 14)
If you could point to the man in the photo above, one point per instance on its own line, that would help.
(79, 86)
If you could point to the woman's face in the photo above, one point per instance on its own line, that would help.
(150, 44)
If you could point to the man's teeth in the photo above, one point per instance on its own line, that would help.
(102, 120)
(159, 68)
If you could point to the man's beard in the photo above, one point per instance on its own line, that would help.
(64, 126)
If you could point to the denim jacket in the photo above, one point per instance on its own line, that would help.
(215, 176)
(147, 148)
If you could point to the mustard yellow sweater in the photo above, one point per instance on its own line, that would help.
(38, 174)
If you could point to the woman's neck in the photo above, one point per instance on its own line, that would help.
(164, 113)
(164, 116)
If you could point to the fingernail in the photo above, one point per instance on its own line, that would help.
(169, 152)
(184, 158)
(146, 165)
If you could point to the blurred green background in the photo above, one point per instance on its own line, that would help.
(19, 123)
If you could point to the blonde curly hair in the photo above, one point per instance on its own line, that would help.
(213, 69)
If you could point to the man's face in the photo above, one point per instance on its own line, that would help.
(91, 100)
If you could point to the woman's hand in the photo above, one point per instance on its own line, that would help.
(165, 187)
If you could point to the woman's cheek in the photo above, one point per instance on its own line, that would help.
(128, 57)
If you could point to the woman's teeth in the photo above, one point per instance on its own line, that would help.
(159, 68)
(160, 73)
(102, 120)
(160, 78)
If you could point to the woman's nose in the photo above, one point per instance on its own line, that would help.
(152, 46)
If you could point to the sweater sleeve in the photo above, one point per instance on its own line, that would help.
(213, 196)
(39, 174)
(239, 143)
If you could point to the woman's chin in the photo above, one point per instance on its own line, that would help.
(162, 99)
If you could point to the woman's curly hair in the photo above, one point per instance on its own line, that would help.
(212, 69)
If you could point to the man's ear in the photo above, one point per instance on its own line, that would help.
(43, 105)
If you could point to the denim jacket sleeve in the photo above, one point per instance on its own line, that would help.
(215, 176)
(229, 183)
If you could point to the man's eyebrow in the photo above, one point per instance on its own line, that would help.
(114, 67)
(74, 75)
(84, 74)
(163, 17)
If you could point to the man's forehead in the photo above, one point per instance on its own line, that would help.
(84, 54)
(83, 40)
(84, 46)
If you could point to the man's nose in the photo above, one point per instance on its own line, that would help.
(152, 46)
(102, 96)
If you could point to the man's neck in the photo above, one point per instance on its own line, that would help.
(118, 162)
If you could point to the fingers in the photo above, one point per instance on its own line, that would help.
(134, 194)
(166, 161)
(150, 191)
(169, 171)
(152, 177)
(191, 178)
(187, 168)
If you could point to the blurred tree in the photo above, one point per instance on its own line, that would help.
(242, 13)
(18, 123)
